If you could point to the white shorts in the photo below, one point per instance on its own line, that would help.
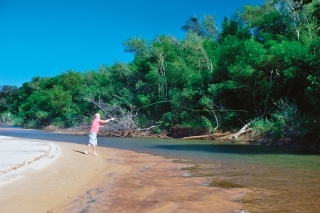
(93, 138)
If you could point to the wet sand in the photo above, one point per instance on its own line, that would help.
(115, 181)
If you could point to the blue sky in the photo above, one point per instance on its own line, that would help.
(47, 37)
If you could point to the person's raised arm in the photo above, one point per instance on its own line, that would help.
(108, 120)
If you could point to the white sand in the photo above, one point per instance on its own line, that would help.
(20, 157)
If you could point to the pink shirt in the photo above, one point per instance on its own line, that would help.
(96, 125)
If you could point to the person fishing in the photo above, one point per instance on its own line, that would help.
(95, 126)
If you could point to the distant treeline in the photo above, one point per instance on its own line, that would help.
(262, 67)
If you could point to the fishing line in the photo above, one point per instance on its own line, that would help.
(190, 108)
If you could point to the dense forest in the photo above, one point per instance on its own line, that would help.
(261, 69)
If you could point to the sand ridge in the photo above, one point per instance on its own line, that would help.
(19, 157)
(60, 180)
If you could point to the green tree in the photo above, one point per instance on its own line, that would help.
(206, 28)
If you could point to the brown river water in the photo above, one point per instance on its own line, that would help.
(281, 179)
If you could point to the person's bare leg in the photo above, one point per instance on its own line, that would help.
(94, 151)
(86, 151)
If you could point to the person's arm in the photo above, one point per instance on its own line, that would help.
(108, 120)
(105, 121)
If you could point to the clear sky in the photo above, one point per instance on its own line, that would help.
(47, 37)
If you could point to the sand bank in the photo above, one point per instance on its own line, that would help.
(116, 181)
(19, 157)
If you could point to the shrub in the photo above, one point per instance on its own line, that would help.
(260, 127)
(206, 123)
(284, 121)
(156, 130)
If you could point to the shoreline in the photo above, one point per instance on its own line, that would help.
(225, 137)
(115, 181)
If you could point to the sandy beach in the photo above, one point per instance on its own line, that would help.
(52, 177)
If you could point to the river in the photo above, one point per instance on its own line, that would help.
(282, 179)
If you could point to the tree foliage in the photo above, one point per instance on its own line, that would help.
(263, 55)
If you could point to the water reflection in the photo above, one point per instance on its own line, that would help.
(231, 149)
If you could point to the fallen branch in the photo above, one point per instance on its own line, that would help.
(243, 130)
(145, 129)
(211, 136)
(217, 135)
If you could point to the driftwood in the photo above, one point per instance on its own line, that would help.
(146, 129)
(211, 136)
(243, 130)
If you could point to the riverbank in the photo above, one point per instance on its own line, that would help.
(115, 181)
(309, 143)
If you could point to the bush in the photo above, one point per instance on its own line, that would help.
(7, 118)
(32, 124)
(18, 121)
(207, 123)
(156, 130)
(58, 122)
(283, 122)
(260, 127)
